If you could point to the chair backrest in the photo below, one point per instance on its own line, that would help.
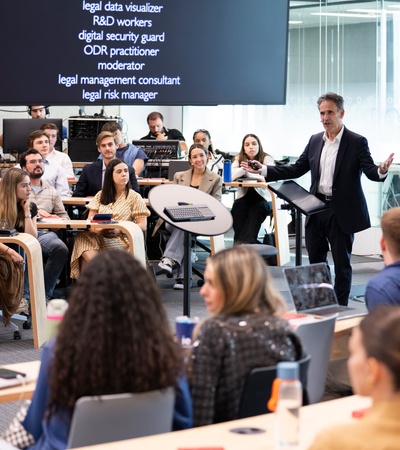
(109, 418)
(316, 338)
(258, 386)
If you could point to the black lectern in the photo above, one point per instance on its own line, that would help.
(302, 201)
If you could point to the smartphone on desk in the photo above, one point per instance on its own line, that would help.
(103, 219)
(8, 374)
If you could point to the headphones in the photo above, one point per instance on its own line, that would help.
(46, 110)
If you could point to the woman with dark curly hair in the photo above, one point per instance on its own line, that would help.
(243, 332)
(114, 338)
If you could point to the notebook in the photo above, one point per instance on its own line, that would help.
(189, 213)
(312, 292)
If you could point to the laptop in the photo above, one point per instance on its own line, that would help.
(189, 213)
(312, 292)
(177, 166)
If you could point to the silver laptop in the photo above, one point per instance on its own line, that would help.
(312, 292)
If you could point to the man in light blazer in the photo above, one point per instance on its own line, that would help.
(336, 159)
(91, 179)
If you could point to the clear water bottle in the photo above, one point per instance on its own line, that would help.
(289, 402)
(227, 170)
(55, 312)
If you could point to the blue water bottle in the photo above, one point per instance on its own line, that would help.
(227, 170)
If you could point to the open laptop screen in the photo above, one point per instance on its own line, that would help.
(310, 287)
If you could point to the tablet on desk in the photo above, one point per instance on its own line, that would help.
(102, 218)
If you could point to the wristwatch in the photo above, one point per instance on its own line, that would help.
(28, 216)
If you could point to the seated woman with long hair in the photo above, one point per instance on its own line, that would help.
(17, 211)
(252, 205)
(198, 177)
(243, 332)
(374, 368)
(114, 338)
(123, 203)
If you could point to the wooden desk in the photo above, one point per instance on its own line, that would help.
(76, 201)
(153, 181)
(33, 252)
(313, 419)
(133, 232)
(343, 329)
(280, 220)
(21, 392)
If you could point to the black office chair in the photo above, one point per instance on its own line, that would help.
(258, 387)
(265, 251)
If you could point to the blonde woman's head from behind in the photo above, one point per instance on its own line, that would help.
(238, 281)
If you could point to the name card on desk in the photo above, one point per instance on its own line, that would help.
(295, 319)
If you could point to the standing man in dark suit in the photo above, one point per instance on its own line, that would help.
(336, 159)
(91, 179)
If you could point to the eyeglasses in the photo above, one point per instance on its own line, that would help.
(35, 161)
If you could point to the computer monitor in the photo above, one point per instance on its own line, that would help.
(17, 131)
(160, 151)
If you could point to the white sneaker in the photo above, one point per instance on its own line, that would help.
(194, 256)
(166, 264)
(179, 284)
(23, 307)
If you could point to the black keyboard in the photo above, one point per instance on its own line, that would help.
(189, 213)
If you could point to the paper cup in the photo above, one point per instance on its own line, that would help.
(184, 329)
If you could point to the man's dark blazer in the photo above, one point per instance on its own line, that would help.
(89, 183)
(353, 158)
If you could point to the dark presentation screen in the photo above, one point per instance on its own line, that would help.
(163, 52)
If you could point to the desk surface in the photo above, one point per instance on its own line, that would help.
(158, 181)
(21, 392)
(171, 194)
(313, 419)
(76, 200)
(133, 232)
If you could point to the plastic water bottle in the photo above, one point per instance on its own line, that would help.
(227, 170)
(55, 312)
(289, 403)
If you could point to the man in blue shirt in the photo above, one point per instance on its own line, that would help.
(384, 288)
(132, 155)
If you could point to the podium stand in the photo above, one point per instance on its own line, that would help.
(303, 202)
(171, 195)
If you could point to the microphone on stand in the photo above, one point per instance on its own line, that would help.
(225, 155)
